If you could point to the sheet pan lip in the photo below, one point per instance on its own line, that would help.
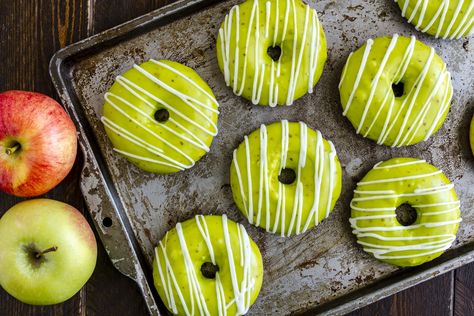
(350, 301)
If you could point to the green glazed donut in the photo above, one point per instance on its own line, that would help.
(401, 183)
(255, 28)
(440, 18)
(395, 90)
(285, 206)
(208, 266)
(161, 116)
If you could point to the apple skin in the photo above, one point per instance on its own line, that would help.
(47, 139)
(58, 275)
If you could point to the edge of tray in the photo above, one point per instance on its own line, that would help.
(103, 201)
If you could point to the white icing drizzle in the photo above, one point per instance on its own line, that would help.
(465, 21)
(404, 136)
(448, 93)
(275, 216)
(396, 196)
(418, 84)
(400, 178)
(266, 71)
(368, 47)
(384, 225)
(375, 81)
(241, 285)
(396, 165)
(120, 104)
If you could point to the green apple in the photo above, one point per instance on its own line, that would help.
(471, 135)
(47, 251)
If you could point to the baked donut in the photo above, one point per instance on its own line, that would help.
(395, 90)
(271, 52)
(161, 116)
(405, 212)
(285, 177)
(208, 266)
(440, 18)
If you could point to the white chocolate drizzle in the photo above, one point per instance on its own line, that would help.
(442, 16)
(276, 215)
(267, 73)
(389, 111)
(380, 223)
(196, 302)
(125, 108)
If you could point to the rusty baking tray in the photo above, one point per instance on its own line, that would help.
(322, 271)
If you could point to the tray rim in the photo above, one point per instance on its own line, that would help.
(405, 279)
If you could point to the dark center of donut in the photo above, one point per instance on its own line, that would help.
(162, 115)
(287, 176)
(209, 270)
(398, 89)
(274, 52)
(406, 214)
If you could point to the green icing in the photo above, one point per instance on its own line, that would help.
(440, 18)
(286, 209)
(160, 147)
(400, 181)
(245, 36)
(204, 237)
(370, 103)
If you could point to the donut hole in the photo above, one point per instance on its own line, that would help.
(274, 52)
(406, 214)
(398, 89)
(209, 270)
(287, 176)
(162, 115)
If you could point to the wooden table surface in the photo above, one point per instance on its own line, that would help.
(30, 32)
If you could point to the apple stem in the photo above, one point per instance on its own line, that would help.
(39, 254)
(12, 150)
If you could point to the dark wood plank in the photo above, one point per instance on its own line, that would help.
(110, 13)
(464, 290)
(433, 298)
(111, 293)
(30, 32)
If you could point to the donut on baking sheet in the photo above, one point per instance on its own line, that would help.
(271, 52)
(395, 90)
(208, 265)
(451, 19)
(405, 212)
(161, 116)
(285, 177)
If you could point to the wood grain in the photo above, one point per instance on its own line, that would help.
(464, 290)
(432, 298)
(110, 13)
(30, 32)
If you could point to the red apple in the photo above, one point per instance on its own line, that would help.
(38, 143)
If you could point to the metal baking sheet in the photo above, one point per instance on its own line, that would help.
(321, 271)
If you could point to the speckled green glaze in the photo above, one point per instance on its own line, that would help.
(246, 34)
(208, 239)
(440, 18)
(369, 100)
(286, 209)
(400, 181)
(160, 147)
